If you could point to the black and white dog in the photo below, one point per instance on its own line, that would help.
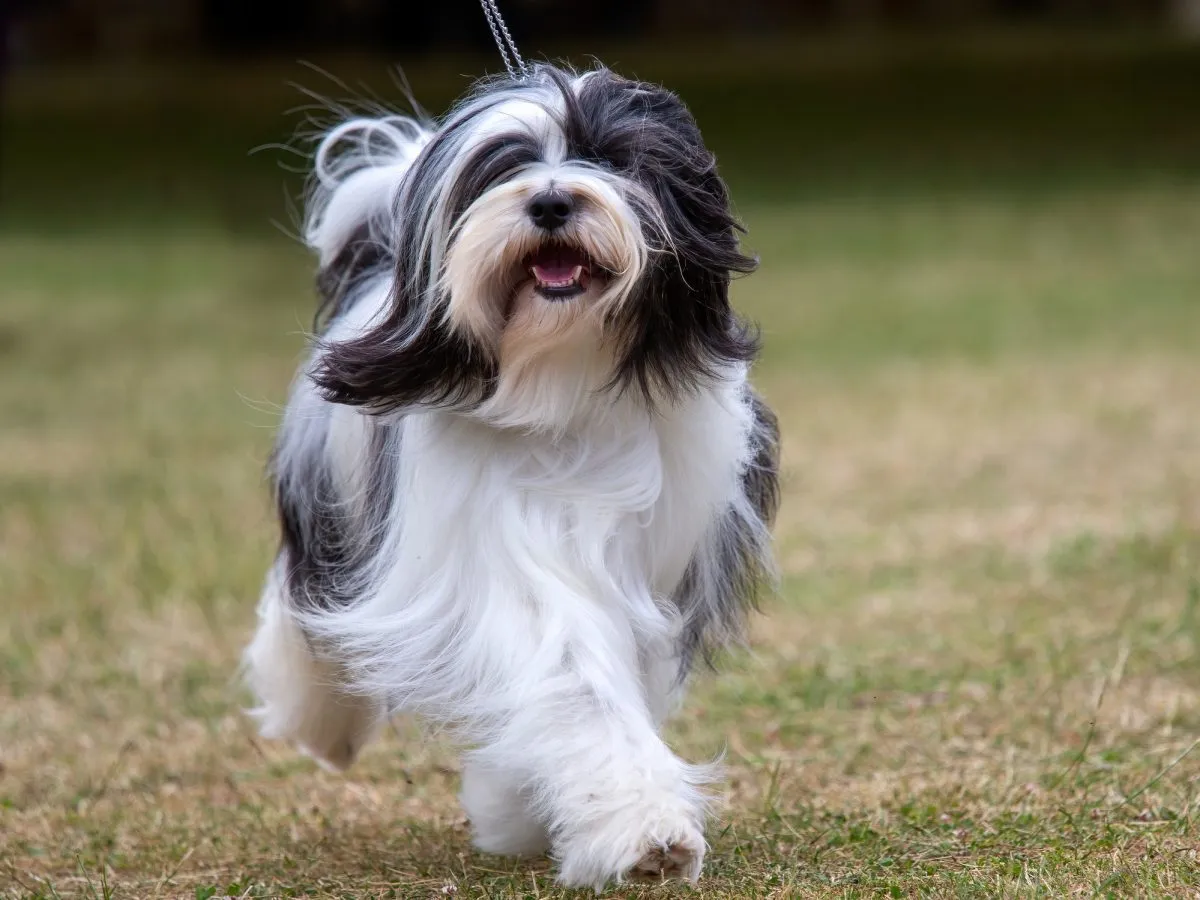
(523, 480)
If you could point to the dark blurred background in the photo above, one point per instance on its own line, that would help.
(39, 30)
(147, 110)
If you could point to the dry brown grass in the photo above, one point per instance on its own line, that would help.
(981, 677)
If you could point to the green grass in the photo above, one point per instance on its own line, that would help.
(981, 301)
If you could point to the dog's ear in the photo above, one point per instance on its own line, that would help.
(407, 355)
(407, 358)
(647, 134)
(681, 173)
(681, 328)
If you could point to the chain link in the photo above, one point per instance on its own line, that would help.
(504, 41)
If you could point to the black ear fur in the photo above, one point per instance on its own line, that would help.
(359, 256)
(722, 581)
(680, 328)
(402, 364)
(401, 361)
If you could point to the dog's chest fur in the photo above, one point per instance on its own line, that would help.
(617, 507)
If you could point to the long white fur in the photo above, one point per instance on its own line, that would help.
(520, 594)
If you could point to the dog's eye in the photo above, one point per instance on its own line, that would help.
(492, 163)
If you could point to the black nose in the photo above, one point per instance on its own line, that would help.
(550, 210)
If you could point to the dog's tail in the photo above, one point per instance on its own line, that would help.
(358, 170)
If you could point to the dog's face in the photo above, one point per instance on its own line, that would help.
(562, 233)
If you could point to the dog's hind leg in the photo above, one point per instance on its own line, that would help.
(300, 696)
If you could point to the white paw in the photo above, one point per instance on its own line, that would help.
(679, 859)
(638, 843)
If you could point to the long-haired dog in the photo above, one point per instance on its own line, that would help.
(523, 481)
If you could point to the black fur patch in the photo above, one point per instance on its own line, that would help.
(359, 258)
(760, 482)
(396, 366)
(721, 585)
(324, 545)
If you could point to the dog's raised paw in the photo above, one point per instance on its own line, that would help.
(638, 843)
(671, 860)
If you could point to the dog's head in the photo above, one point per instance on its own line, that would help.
(555, 238)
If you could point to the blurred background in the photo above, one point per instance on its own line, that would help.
(836, 96)
(980, 296)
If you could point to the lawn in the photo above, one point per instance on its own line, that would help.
(980, 296)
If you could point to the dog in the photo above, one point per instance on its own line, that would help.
(523, 481)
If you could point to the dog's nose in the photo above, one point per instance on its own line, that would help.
(550, 209)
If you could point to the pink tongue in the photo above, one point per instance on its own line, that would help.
(556, 264)
(558, 270)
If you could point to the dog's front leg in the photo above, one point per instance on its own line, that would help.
(623, 805)
(582, 743)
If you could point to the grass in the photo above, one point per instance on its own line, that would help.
(982, 674)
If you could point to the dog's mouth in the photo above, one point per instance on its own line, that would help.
(560, 271)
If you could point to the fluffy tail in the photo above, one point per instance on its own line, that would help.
(358, 170)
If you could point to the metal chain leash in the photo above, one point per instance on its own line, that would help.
(517, 67)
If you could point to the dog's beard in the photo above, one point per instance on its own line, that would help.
(502, 270)
(540, 300)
